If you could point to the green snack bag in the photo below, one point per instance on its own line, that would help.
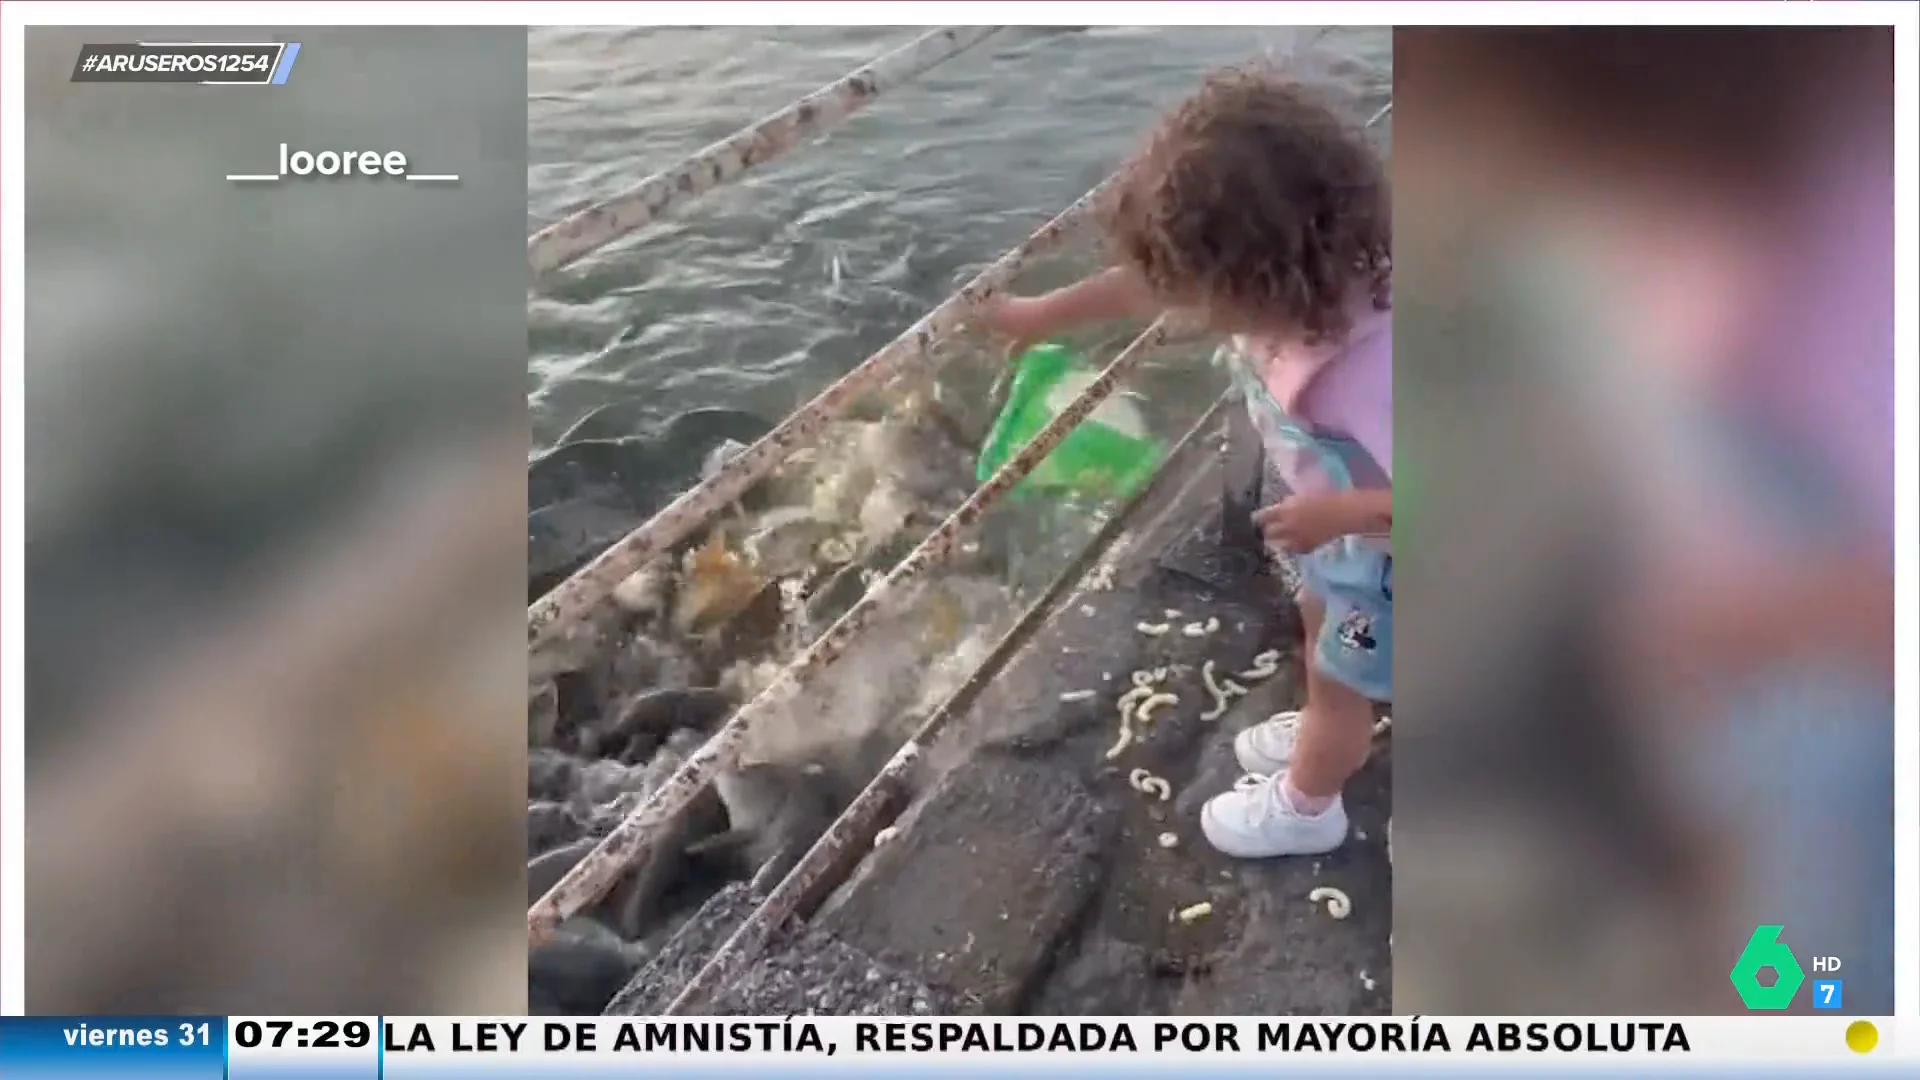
(1110, 455)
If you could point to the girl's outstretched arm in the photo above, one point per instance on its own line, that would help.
(1109, 295)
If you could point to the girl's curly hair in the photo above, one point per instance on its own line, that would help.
(1254, 198)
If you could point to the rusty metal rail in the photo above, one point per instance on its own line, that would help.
(861, 821)
(573, 598)
(594, 875)
(601, 224)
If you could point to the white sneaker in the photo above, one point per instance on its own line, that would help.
(1265, 748)
(1253, 822)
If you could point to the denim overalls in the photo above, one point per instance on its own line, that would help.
(1352, 577)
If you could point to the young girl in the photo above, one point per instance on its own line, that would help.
(1257, 209)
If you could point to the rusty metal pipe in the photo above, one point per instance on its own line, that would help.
(577, 595)
(859, 823)
(588, 230)
(594, 875)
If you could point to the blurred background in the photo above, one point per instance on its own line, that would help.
(1645, 334)
(274, 444)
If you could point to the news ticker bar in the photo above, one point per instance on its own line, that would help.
(375, 1047)
(222, 63)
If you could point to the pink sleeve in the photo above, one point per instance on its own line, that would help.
(1354, 396)
(1373, 428)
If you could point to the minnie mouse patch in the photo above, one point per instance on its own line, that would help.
(1356, 632)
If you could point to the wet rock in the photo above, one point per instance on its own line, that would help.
(808, 973)
(604, 780)
(587, 706)
(551, 825)
(543, 714)
(607, 816)
(545, 871)
(635, 660)
(621, 908)
(570, 975)
(551, 775)
(577, 708)
(565, 536)
(1103, 976)
(585, 495)
(651, 890)
(671, 877)
(651, 715)
(988, 871)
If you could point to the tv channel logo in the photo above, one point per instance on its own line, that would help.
(1765, 950)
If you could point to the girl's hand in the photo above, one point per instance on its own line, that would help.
(1019, 320)
(1302, 523)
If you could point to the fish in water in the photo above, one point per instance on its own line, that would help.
(716, 584)
(646, 591)
(718, 457)
(784, 541)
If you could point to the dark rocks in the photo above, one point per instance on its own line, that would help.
(576, 975)
(989, 869)
(1101, 976)
(1031, 877)
(551, 775)
(651, 715)
(551, 825)
(806, 973)
(545, 871)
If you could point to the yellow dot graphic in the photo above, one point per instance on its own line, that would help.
(1862, 1036)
